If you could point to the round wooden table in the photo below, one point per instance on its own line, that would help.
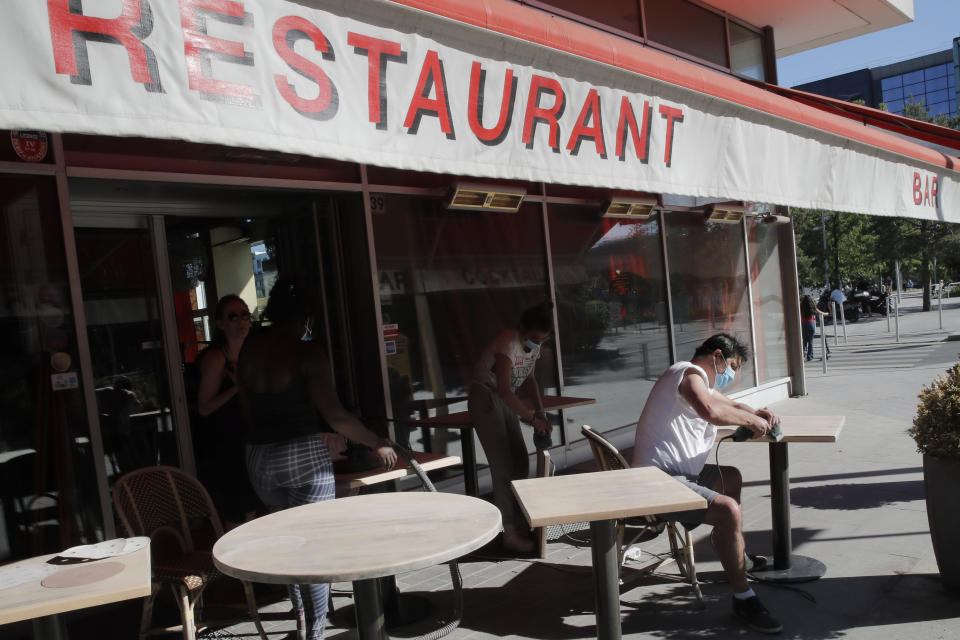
(360, 539)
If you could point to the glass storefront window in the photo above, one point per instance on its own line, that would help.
(450, 281)
(623, 15)
(746, 52)
(687, 27)
(47, 482)
(769, 315)
(611, 311)
(708, 284)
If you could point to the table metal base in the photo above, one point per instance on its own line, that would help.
(398, 609)
(606, 579)
(50, 628)
(800, 569)
(408, 609)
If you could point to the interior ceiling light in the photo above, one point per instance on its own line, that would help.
(630, 208)
(476, 197)
(725, 213)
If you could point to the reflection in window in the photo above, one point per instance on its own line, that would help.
(912, 77)
(687, 27)
(746, 52)
(769, 315)
(891, 82)
(449, 282)
(936, 71)
(892, 94)
(48, 495)
(708, 284)
(611, 312)
(619, 14)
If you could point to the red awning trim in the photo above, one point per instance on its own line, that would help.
(525, 23)
(927, 131)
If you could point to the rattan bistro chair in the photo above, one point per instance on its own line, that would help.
(176, 512)
(632, 531)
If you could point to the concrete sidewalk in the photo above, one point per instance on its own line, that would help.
(858, 506)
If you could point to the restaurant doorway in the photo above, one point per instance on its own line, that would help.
(121, 303)
(154, 260)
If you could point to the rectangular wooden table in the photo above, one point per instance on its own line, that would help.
(123, 577)
(600, 498)
(427, 462)
(461, 420)
(787, 566)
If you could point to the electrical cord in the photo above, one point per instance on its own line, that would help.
(753, 576)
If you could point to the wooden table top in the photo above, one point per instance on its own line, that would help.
(427, 461)
(32, 600)
(800, 429)
(602, 495)
(356, 538)
(462, 418)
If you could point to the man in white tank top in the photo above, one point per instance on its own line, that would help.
(676, 432)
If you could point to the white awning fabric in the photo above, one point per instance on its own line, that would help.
(479, 88)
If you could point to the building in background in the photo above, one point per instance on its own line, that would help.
(931, 79)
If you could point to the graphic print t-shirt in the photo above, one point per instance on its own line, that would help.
(522, 361)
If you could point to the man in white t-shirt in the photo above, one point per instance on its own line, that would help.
(676, 432)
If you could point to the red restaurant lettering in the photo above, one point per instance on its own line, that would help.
(628, 123)
(431, 79)
(379, 53)
(672, 116)
(535, 114)
(582, 131)
(495, 135)
(286, 32)
(71, 32)
(197, 46)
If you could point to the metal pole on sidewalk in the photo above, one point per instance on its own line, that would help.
(833, 321)
(896, 266)
(896, 320)
(823, 342)
(940, 305)
(886, 301)
(843, 321)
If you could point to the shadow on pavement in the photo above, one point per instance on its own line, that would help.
(849, 497)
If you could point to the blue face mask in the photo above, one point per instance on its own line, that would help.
(723, 380)
(530, 344)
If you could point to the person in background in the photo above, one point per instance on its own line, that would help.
(286, 390)
(808, 324)
(808, 318)
(505, 367)
(218, 441)
(837, 295)
(676, 432)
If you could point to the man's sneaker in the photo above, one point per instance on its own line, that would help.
(752, 612)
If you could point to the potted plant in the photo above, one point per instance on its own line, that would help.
(936, 430)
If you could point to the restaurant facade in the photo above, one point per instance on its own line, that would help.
(432, 168)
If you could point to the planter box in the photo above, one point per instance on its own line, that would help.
(941, 480)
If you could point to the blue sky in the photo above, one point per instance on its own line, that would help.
(935, 24)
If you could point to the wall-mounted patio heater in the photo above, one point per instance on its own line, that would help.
(478, 197)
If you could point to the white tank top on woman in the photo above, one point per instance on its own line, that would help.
(670, 434)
